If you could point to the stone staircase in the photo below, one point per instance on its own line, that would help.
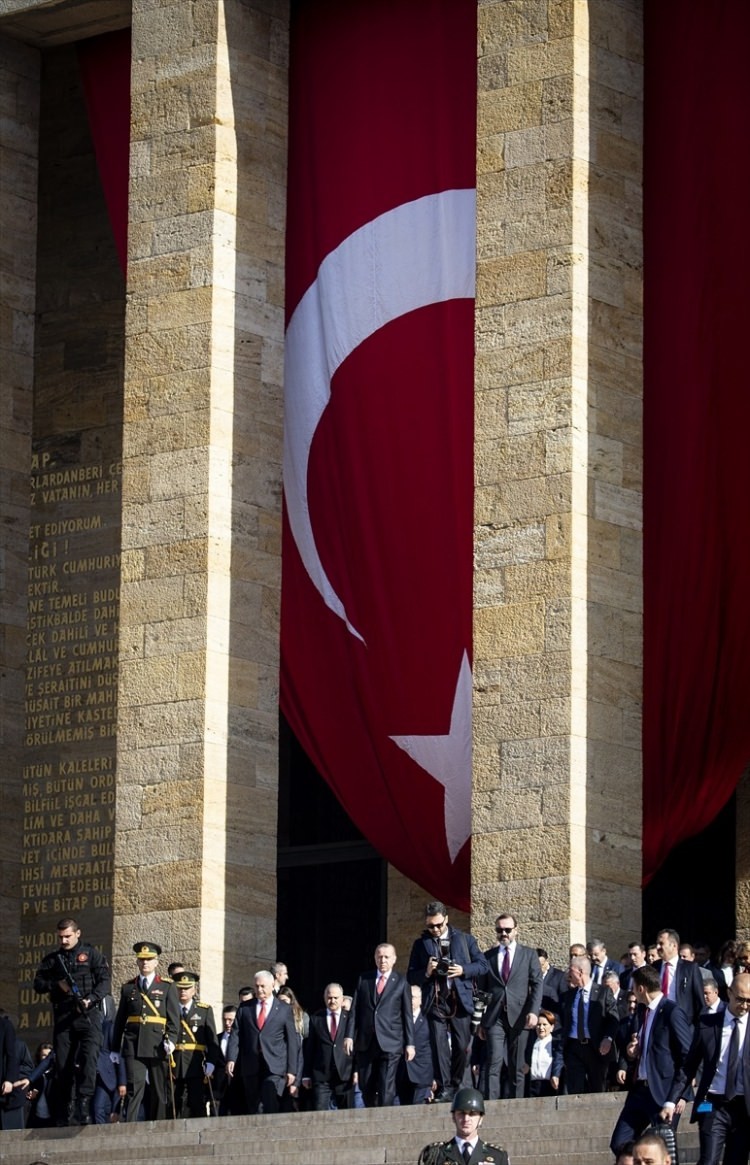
(565, 1130)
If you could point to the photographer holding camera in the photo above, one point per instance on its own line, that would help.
(443, 962)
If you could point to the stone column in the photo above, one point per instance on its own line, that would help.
(557, 633)
(19, 133)
(198, 697)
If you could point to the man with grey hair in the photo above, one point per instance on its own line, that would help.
(600, 961)
(265, 1041)
(589, 1024)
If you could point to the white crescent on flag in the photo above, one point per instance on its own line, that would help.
(419, 253)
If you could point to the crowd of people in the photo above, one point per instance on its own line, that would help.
(456, 1022)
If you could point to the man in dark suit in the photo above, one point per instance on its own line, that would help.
(636, 959)
(327, 1067)
(111, 1078)
(600, 961)
(589, 1023)
(443, 963)
(721, 1049)
(381, 1028)
(680, 980)
(612, 980)
(514, 983)
(415, 1078)
(146, 1028)
(660, 1047)
(264, 1040)
(554, 983)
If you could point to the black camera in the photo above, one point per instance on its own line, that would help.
(444, 959)
(481, 999)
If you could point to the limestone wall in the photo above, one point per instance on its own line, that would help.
(557, 652)
(197, 748)
(19, 101)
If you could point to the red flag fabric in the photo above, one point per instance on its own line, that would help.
(104, 63)
(696, 730)
(378, 462)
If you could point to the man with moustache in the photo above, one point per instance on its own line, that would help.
(145, 1033)
(381, 1028)
(515, 987)
(327, 1066)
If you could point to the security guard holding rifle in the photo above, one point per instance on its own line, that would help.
(147, 1027)
(76, 977)
(197, 1050)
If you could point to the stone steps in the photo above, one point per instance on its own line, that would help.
(565, 1130)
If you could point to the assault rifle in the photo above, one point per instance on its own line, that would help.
(75, 990)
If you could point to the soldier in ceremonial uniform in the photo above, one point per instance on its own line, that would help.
(147, 1027)
(197, 1050)
(76, 977)
(465, 1148)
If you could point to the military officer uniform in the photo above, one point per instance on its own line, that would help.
(147, 1027)
(466, 1148)
(442, 1152)
(196, 1049)
(77, 1034)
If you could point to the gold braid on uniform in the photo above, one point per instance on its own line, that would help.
(435, 1154)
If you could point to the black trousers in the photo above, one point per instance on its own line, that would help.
(725, 1130)
(77, 1039)
(377, 1075)
(585, 1068)
(511, 1039)
(638, 1112)
(450, 1055)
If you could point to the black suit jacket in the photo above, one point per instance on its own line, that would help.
(602, 1013)
(668, 1045)
(421, 1070)
(387, 1017)
(463, 950)
(275, 1047)
(704, 1054)
(689, 988)
(554, 986)
(523, 991)
(8, 1050)
(322, 1054)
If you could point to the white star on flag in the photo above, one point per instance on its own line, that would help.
(447, 758)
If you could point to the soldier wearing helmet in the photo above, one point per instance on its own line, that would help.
(466, 1147)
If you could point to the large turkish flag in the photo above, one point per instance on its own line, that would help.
(378, 468)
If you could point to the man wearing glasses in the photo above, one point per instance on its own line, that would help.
(443, 963)
(514, 982)
(721, 1049)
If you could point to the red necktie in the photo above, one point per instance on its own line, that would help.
(506, 966)
(642, 1040)
(380, 985)
(334, 1026)
(262, 1015)
(665, 979)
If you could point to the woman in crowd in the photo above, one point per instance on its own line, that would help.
(543, 1058)
(291, 1098)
